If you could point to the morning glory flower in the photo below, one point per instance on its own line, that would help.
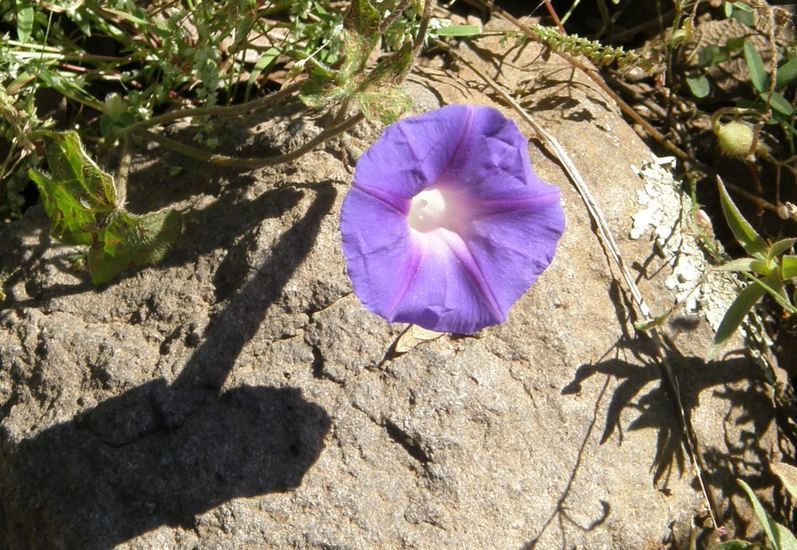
(446, 225)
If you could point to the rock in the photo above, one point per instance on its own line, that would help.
(239, 395)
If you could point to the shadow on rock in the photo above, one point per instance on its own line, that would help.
(159, 454)
(155, 456)
(657, 409)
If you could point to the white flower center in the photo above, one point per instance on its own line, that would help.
(427, 210)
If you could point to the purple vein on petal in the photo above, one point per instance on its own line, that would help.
(402, 206)
(461, 251)
(413, 265)
(489, 208)
(462, 139)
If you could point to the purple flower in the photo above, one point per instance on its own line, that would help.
(446, 225)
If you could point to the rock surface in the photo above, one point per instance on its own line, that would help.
(239, 395)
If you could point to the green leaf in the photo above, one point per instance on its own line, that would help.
(763, 518)
(698, 85)
(743, 14)
(779, 248)
(711, 55)
(780, 104)
(459, 30)
(267, 59)
(25, 18)
(787, 74)
(755, 66)
(130, 241)
(744, 233)
(740, 264)
(727, 8)
(773, 284)
(362, 18)
(788, 476)
(77, 195)
(788, 269)
(735, 315)
(735, 545)
(81, 202)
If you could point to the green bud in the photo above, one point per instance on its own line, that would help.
(114, 106)
(736, 139)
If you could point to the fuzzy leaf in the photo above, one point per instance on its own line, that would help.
(81, 202)
(755, 66)
(744, 233)
(459, 30)
(739, 264)
(77, 195)
(362, 18)
(130, 241)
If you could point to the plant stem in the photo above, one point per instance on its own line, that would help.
(251, 163)
(218, 110)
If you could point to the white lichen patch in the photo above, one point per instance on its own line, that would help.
(666, 218)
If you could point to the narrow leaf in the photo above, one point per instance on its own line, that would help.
(459, 30)
(755, 66)
(740, 264)
(773, 284)
(744, 233)
(761, 514)
(780, 247)
(735, 545)
(735, 315)
(25, 17)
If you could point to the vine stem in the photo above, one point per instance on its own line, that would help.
(218, 110)
(251, 163)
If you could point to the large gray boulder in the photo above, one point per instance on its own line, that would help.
(238, 394)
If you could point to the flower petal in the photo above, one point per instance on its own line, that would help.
(447, 293)
(379, 252)
(446, 225)
(413, 153)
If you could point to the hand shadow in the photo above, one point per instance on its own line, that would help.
(160, 454)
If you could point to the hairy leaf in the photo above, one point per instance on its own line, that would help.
(131, 241)
(82, 203)
(77, 195)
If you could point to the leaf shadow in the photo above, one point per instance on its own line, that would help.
(644, 389)
(161, 454)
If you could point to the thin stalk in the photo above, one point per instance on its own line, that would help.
(250, 163)
(218, 110)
